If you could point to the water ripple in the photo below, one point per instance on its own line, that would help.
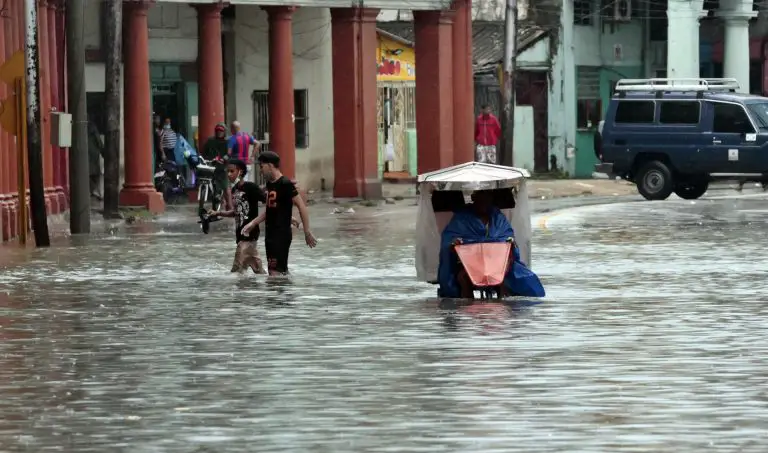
(652, 340)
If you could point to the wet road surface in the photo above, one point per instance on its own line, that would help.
(652, 339)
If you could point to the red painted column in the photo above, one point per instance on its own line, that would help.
(5, 150)
(282, 132)
(210, 67)
(354, 41)
(463, 92)
(61, 41)
(51, 201)
(470, 80)
(53, 65)
(12, 38)
(434, 89)
(138, 189)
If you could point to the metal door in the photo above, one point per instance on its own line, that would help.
(531, 89)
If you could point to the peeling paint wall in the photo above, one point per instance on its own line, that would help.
(562, 87)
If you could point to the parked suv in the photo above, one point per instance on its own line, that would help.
(677, 135)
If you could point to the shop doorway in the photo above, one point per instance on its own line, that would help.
(165, 102)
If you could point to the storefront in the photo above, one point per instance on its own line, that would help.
(396, 107)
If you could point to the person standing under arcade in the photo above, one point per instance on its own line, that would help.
(239, 146)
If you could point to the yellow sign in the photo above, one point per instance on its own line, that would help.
(11, 71)
(13, 119)
(13, 68)
(395, 60)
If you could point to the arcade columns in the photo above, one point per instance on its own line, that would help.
(282, 132)
(434, 90)
(210, 63)
(354, 41)
(138, 189)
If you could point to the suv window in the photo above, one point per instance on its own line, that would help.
(731, 118)
(679, 112)
(635, 112)
(759, 113)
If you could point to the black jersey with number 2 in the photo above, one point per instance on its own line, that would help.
(280, 195)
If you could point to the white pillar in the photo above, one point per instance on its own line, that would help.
(683, 37)
(569, 85)
(736, 15)
(698, 13)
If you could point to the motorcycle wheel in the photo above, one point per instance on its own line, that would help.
(167, 190)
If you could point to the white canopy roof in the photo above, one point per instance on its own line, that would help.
(475, 176)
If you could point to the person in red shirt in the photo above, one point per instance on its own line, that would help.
(487, 133)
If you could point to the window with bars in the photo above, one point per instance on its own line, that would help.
(300, 113)
(582, 12)
(608, 9)
(588, 102)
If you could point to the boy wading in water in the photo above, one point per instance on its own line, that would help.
(245, 198)
(281, 197)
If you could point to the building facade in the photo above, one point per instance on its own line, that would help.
(671, 38)
(299, 74)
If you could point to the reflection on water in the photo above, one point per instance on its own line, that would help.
(652, 340)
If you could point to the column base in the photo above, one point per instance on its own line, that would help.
(51, 201)
(142, 196)
(358, 188)
(5, 221)
(61, 199)
(10, 219)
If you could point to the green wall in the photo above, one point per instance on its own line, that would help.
(381, 154)
(413, 154)
(410, 148)
(191, 106)
(585, 151)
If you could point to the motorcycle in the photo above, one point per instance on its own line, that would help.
(168, 180)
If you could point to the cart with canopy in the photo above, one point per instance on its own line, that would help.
(446, 193)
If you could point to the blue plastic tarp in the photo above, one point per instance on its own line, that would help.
(182, 146)
(468, 227)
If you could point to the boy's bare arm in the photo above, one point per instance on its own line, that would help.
(304, 214)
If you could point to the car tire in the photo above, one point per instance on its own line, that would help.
(691, 189)
(654, 181)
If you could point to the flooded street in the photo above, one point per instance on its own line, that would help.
(652, 339)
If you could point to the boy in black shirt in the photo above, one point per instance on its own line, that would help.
(245, 199)
(281, 197)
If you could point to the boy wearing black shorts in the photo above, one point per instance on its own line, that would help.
(281, 196)
(245, 199)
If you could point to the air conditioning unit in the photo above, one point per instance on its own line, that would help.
(622, 10)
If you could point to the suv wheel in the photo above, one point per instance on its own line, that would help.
(654, 181)
(691, 189)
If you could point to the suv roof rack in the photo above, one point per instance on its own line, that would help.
(660, 86)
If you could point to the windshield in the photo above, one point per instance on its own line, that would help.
(759, 112)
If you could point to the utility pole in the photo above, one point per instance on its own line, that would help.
(79, 190)
(34, 145)
(113, 30)
(510, 58)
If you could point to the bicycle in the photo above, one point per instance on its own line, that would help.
(207, 189)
